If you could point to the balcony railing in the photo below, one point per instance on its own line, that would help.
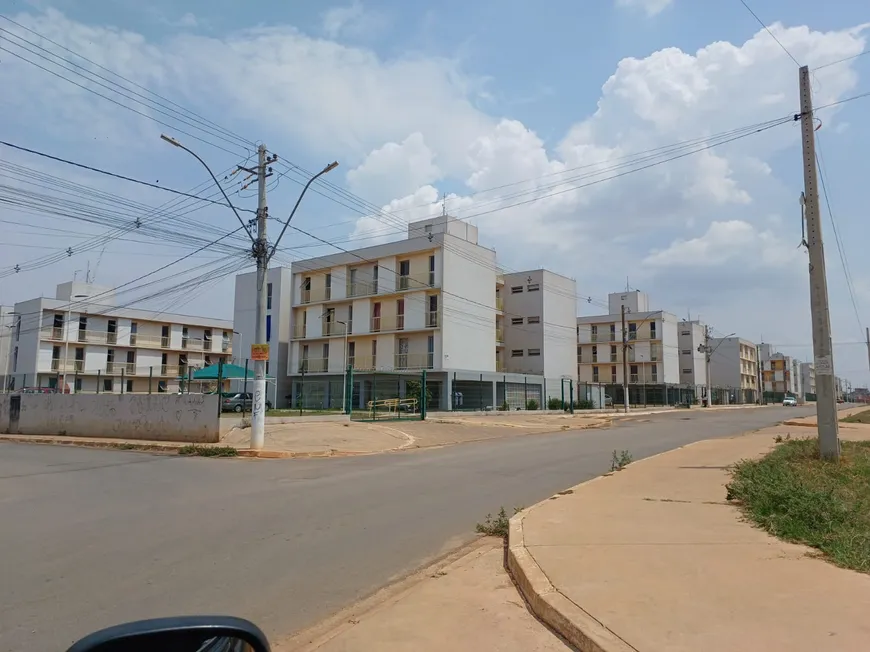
(71, 365)
(299, 330)
(403, 361)
(332, 328)
(633, 378)
(117, 368)
(362, 288)
(314, 365)
(499, 303)
(363, 362)
(432, 319)
(416, 281)
(594, 338)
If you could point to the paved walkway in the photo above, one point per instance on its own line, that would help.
(468, 603)
(653, 558)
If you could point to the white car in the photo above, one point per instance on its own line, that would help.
(789, 401)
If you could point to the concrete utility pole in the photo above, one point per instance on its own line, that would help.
(826, 399)
(262, 254)
(708, 353)
(868, 346)
(624, 363)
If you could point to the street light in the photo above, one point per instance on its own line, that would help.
(263, 255)
(344, 363)
(241, 345)
(67, 336)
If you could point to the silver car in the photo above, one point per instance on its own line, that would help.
(239, 401)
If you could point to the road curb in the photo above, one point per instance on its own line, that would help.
(565, 617)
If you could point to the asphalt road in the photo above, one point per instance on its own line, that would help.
(91, 538)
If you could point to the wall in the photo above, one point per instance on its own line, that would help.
(468, 297)
(181, 418)
(669, 369)
(523, 304)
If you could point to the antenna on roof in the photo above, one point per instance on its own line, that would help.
(444, 204)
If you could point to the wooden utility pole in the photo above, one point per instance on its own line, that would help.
(826, 395)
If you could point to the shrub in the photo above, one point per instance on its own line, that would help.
(531, 404)
(554, 403)
(584, 405)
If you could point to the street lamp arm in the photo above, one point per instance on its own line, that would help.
(328, 168)
(174, 142)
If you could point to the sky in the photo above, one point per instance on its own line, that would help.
(639, 143)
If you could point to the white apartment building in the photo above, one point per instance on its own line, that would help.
(435, 300)
(734, 370)
(693, 361)
(653, 354)
(81, 341)
(808, 378)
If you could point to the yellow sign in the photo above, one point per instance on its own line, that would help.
(259, 351)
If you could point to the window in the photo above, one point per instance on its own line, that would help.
(108, 385)
(533, 287)
(579, 354)
(534, 352)
(516, 321)
(326, 350)
(134, 329)
(376, 317)
(687, 371)
(534, 320)
(375, 280)
(400, 314)
(654, 373)
(427, 228)
(613, 374)
(594, 374)
(268, 296)
(328, 294)
(652, 330)
(129, 386)
(633, 373)
(431, 271)
(613, 332)
(268, 329)
(306, 288)
(613, 353)
(374, 354)
(430, 352)
(632, 331)
(686, 351)
(15, 360)
(594, 354)
(267, 367)
(516, 353)
(184, 337)
(432, 317)
(404, 274)
(17, 328)
(516, 289)
(83, 328)
(350, 319)
(206, 339)
(77, 385)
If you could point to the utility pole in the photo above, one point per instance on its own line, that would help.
(624, 362)
(261, 253)
(826, 399)
(708, 353)
(868, 346)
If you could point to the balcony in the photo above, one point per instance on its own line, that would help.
(499, 303)
(633, 378)
(432, 319)
(362, 288)
(415, 282)
(299, 330)
(118, 368)
(499, 367)
(71, 365)
(405, 361)
(170, 370)
(332, 328)
(314, 365)
(499, 335)
(362, 362)
(594, 338)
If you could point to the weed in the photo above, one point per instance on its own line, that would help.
(860, 417)
(126, 447)
(497, 526)
(779, 438)
(532, 404)
(795, 495)
(554, 403)
(208, 451)
(505, 407)
(620, 460)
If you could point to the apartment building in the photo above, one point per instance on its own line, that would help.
(780, 372)
(537, 316)
(653, 358)
(436, 300)
(693, 361)
(734, 369)
(81, 341)
(808, 380)
(279, 282)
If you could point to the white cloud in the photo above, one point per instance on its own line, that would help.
(651, 7)
(352, 20)
(395, 170)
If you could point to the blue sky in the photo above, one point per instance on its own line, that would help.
(419, 99)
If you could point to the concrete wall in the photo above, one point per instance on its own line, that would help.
(183, 418)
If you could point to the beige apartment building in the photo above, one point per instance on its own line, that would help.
(734, 370)
(80, 341)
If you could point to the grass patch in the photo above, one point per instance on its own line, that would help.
(795, 495)
(620, 460)
(208, 451)
(858, 417)
(497, 526)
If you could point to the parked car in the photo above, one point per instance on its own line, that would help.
(789, 401)
(608, 401)
(238, 401)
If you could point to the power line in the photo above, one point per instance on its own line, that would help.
(767, 29)
(844, 59)
(117, 176)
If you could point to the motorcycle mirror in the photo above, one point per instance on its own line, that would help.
(180, 634)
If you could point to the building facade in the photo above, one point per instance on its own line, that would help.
(780, 373)
(653, 362)
(693, 361)
(734, 370)
(808, 380)
(7, 323)
(80, 341)
(434, 301)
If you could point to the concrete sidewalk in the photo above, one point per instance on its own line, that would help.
(466, 603)
(653, 558)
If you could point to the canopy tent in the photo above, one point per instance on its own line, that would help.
(227, 372)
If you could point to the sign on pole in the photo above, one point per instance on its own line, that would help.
(259, 351)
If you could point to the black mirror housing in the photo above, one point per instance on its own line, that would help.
(178, 634)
